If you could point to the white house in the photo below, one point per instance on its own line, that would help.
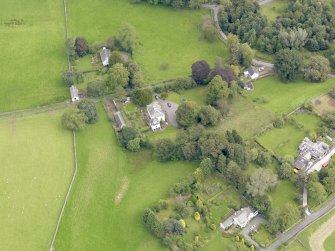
(155, 116)
(240, 218)
(251, 73)
(74, 93)
(104, 55)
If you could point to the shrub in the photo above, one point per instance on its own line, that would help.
(197, 216)
(81, 46)
(96, 89)
(90, 111)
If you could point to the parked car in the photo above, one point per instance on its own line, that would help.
(169, 104)
(260, 69)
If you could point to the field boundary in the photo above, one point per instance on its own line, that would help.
(68, 192)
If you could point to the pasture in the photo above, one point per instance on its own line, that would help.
(305, 235)
(112, 190)
(285, 140)
(285, 97)
(36, 167)
(33, 35)
(169, 38)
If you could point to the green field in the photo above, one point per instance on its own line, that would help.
(246, 117)
(305, 235)
(285, 140)
(329, 243)
(274, 9)
(94, 218)
(33, 57)
(285, 97)
(197, 95)
(36, 167)
(167, 35)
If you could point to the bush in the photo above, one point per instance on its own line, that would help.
(90, 111)
(142, 97)
(74, 119)
(96, 89)
(81, 46)
(279, 122)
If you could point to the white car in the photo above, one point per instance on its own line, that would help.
(260, 69)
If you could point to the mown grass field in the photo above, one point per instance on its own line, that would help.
(197, 95)
(285, 140)
(33, 57)
(329, 243)
(94, 218)
(167, 36)
(305, 235)
(285, 97)
(36, 166)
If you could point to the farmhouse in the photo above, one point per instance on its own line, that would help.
(251, 73)
(155, 116)
(74, 93)
(240, 218)
(119, 120)
(104, 55)
(311, 154)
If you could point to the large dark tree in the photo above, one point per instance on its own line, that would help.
(74, 119)
(200, 71)
(225, 73)
(127, 134)
(288, 64)
(81, 46)
(317, 69)
(209, 116)
(187, 114)
(165, 149)
(142, 97)
(90, 111)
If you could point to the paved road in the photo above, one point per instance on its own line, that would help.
(302, 225)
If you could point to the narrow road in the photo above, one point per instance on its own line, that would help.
(302, 225)
(215, 8)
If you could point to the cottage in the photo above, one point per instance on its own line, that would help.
(74, 93)
(104, 55)
(251, 73)
(310, 153)
(240, 218)
(119, 120)
(155, 116)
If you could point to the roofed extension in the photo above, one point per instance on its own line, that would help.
(104, 55)
(119, 120)
(74, 93)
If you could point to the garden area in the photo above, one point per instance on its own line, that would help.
(36, 78)
(111, 190)
(37, 165)
(285, 140)
(169, 38)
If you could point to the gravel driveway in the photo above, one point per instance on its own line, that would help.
(170, 111)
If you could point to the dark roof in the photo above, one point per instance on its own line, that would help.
(251, 71)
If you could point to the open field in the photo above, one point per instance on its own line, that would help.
(285, 193)
(305, 236)
(36, 166)
(197, 95)
(285, 97)
(168, 36)
(33, 35)
(285, 140)
(246, 117)
(329, 244)
(324, 104)
(274, 9)
(94, 220)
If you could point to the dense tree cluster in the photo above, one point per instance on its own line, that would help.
(306, 24)
(176, 3)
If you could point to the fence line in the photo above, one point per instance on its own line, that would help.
(68, 192)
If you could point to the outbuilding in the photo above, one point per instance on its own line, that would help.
(104, 55)
(74, 93)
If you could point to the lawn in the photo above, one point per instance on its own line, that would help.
(274, 9)
(305, 235)
(285, 193)
(246, 117)
(285, 97)
(34, 77)
(197, 95)
(167, 36)
(263, 237)
(324, 104)
(285, 140)
(111, 191)
(329, 243)
(36, 167)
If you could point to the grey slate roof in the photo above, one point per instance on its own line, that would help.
(119, 120)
